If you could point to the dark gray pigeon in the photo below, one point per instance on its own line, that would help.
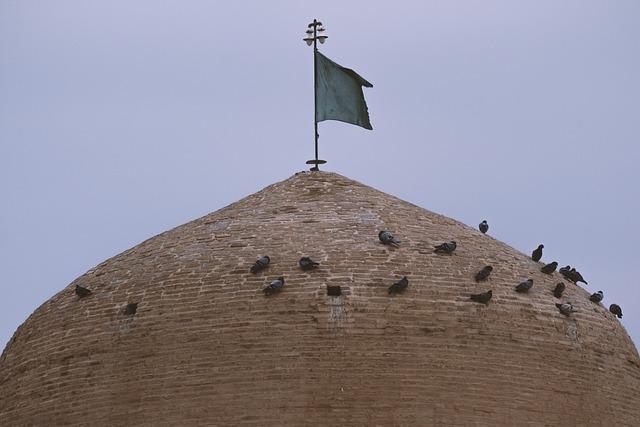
(615, 309)
(537, 253)
(483, 274)
(525, 286)
(307, 263)
(559, 289)
(549, 268)
(484, 297)
(446, 248)
(566, 308)
(572, 275)
(260, 264)
(82, 292)
(597, 297)
(484, 227)
(387, 238)
(275, 286)
(576, 277)
(399, 286)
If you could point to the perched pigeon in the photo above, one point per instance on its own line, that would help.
(615, 309)
(537, 253)
(307, 263)
(484, 273)
(572, 274)
(549, 268)
(575, 276)
(525, 286)
(82, 292)
(566, 308)
(399, 286)
(260, 264)
(446, 248)
(484, 227)
(559, 289)
(275, 286)
(597, 297)
(387, 238)
(483, 297)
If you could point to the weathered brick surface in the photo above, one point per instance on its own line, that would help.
(207, 348)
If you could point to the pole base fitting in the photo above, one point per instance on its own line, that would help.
(316, 163)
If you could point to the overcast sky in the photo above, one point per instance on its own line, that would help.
(122, 119)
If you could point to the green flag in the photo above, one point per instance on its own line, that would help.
(339, 93)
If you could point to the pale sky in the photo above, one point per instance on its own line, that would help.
(120, 120)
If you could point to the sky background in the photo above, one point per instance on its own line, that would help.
(120, 120)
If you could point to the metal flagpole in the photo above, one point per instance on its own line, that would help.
(312, 37)
(315, 88)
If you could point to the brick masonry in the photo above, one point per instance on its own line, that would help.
(206, 347)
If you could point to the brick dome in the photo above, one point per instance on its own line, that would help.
(205, 346)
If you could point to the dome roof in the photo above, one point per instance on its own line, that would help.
(206, 346)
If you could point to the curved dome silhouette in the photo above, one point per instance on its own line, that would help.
(205, 346)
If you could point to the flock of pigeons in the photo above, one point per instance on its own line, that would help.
(387, 238)
(571, 274)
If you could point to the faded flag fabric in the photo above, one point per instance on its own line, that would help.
(339, 93)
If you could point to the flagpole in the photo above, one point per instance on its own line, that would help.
(313, 35)
(315, 90)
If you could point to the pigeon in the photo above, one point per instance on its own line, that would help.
(484, 273)
(387, 238)
(484, 227)
(260, 264)
(575, 276)
(549, 268)
(572, 274)
(536, 255)
(525, 286)
(615, 309)
(307, 263)
(399, 286)
(446, 248)
(275, 286)
(483, 297)
(596, 297)
(565, 308)
(82, 292)
(559, 289)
